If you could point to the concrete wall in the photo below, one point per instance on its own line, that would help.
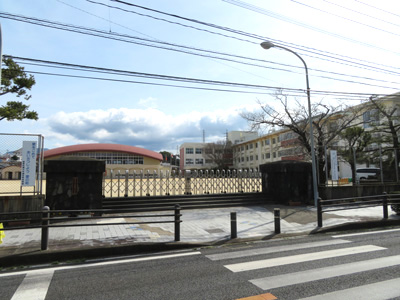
(15, 204)
(287, 181)
(74, 183)
(327, 193)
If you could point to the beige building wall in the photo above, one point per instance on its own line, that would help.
(251, 154)
(276, 146)
(193, 157)
(11, 173)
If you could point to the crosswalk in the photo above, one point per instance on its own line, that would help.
(254, 260)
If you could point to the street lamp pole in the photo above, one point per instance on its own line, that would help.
(267, 45)
(1, 51)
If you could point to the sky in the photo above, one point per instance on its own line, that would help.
(190, 68)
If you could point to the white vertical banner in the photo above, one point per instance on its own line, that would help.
(334, 165)
(28, 170)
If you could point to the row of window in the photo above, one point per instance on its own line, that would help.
(191, 161)
(286, 152)
(255, 145)
(199, 150)
(197, 161)
(115, 158)
(193, 150)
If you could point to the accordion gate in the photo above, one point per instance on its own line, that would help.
(138, 184)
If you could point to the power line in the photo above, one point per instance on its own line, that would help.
(360, 13)
(263, 88)
(159, 44)
(298, 23)
(347, 19)
(168, 21)
(388, 12)
(301, 48)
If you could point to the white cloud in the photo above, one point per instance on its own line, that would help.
(149, 128)
(148, 102)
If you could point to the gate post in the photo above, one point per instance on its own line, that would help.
(385, 206)
(277, 218)
(233, 225)
(177, 223)
(188, 185)
(126, 183)
(45, 227)
(319, 212)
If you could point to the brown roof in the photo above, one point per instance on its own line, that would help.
(102, 147)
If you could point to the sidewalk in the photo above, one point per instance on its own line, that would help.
(199, 227)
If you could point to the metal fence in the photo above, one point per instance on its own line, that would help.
(373, 156)
(138, 184)
(21, 156)
(47, 218)
(359, 202)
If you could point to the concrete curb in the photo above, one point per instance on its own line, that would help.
(38, 257)
(34, 256)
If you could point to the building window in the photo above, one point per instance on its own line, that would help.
(274, 155)
(199, 150)
(208, 150)
(267, 155)
(251, 157)
(251, 146)
(256, 157)
(287, 136)
(267, 141)
(116, 158)
(199, 161)
(371, 118)
(189, 151)
(189, 161)
(256, 144)
(273, 141)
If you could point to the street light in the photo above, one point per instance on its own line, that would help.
(267, 45)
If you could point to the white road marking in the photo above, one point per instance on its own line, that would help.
(268, 250)
(113, 262)
(383, 290)
(365, 233)
(286, 260)
(34, 286)
(272, 282)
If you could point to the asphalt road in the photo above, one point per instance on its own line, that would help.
(361, 266)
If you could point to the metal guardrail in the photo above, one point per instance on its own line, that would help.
(47, 218)
(383, 200)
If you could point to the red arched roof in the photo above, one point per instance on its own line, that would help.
(102, 147)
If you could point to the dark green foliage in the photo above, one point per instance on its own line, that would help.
(14, 80)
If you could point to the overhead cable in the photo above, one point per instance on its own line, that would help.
(307, 50)
(77, 67)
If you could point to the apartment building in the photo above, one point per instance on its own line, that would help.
(274, 146)
(193, 157)
(251, 150)
(197, 156)
(284, 145)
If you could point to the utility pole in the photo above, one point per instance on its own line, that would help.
(1, 51)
